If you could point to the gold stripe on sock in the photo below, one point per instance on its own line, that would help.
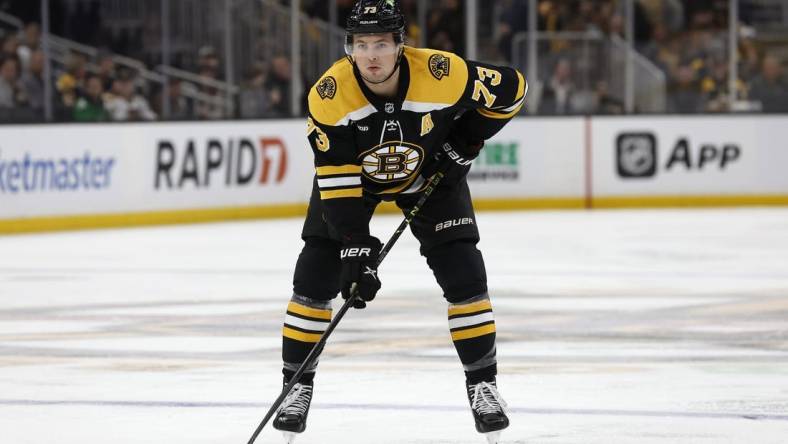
(470, 308)
(308, 311)
(473, 332)
(300, 336)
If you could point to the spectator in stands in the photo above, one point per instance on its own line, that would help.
(181, 107)
(76, 71)
(10, 47)
(90, 105)
(31, 40)
(31, 36)
(208, 62)
(255, 99)
(558, 92)
(9, 82)
(124, 104)
(413, 32)
(667, 13)
(605, 103)
(8, 69)
(714, 84)
(32, 81)
(279, 86)
(749, 60)
(213, 106)
(512, 20)
(66, 86)
(445, 27)
(106, 70)
(769, 87)
(686, 96)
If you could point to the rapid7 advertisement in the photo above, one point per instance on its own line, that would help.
(65, 170)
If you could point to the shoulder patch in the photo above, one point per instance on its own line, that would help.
(327, 88)
(439, 65)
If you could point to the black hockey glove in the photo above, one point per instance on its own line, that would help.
(461, 152)
(360, 266)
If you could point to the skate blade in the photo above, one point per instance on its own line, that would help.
(493, 437)
(289, 437)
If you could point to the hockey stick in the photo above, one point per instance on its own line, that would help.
(318, 348)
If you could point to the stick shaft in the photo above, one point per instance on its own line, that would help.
(318, 348)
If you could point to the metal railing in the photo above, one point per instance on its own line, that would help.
(11, 21)
(598, 67)
(648, 84)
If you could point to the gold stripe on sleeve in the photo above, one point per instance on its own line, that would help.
(521, 87)
(337, 194)
(341, 169)
(494, 115)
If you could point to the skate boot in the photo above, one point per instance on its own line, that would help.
(488, 408)
(291, 416)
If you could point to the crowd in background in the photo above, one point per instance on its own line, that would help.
(685, 39)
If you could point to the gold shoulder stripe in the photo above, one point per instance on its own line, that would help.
(331, 170)
(336, 94)
(337, 194)
(426, 86)
(309, 311)
(473, 332)
(470, 308)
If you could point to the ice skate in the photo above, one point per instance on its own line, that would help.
(291, 416)
(489, 410)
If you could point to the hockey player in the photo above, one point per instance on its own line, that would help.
(380, 122)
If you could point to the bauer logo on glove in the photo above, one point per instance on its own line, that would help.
(355, 252)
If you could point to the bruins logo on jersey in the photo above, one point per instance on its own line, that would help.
(327, 88)
(439, 66)
(392, 161)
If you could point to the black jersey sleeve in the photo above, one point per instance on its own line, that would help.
(338, 174)
(493, 95)
(331, 102)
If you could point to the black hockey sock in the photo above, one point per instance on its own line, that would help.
(486, 374)
(472, 329)
(305, 322)
(306, 378)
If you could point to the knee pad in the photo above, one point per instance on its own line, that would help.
(458, 267)
(317, 270)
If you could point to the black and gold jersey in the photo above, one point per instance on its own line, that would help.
(363, 143)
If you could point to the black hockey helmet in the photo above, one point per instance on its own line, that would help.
(375, 17)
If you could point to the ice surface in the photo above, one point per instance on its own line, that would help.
(614, 327)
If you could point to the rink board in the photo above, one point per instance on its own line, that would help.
(688, 161)
(87, 176)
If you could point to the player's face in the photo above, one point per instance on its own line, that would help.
(375, 55)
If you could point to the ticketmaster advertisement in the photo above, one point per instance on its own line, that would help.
(65, 170)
